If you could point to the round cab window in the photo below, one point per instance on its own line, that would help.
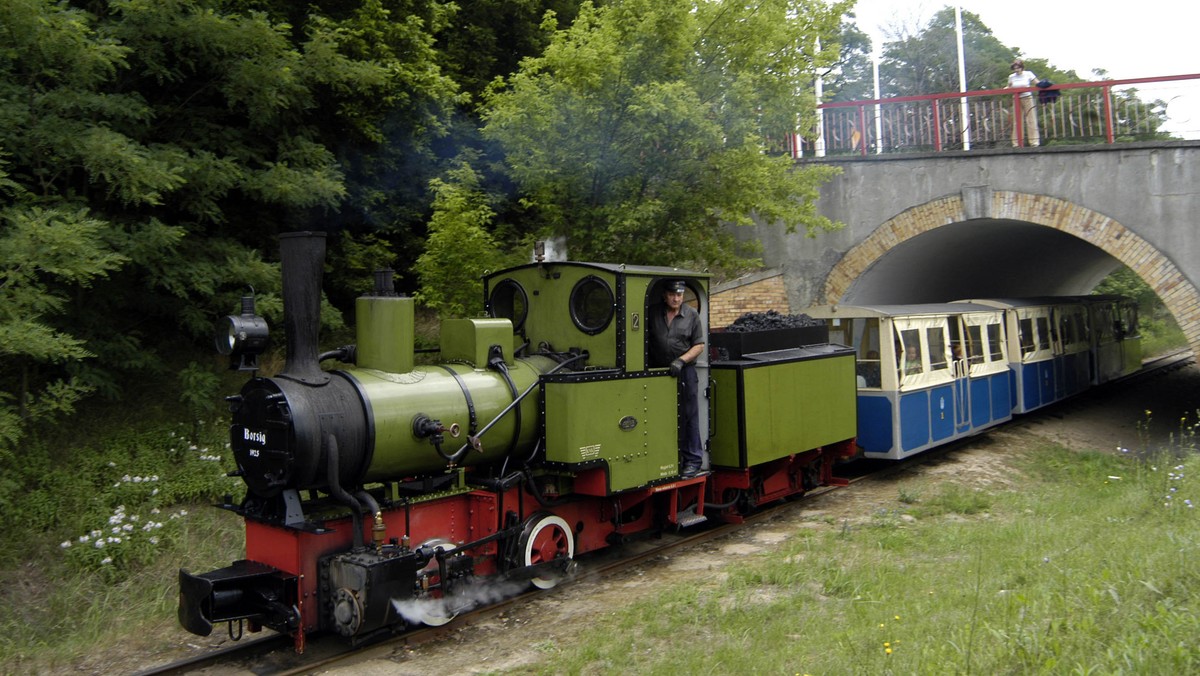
(508, 301)
(591, 305)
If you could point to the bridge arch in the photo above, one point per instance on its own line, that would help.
(1087, 239)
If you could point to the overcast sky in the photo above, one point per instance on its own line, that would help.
(1149, 38)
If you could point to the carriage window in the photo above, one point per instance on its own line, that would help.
(592, 305)
(1043, 333)
(1025, 335)
(1131, 320)
(937, 349)
(839, 332)
(909, 351)
(508, 301)
(995, 348)
(956, 341)
(1081, 327)
(1104, 324)
(975, 344)
(1067, 329)
(866, 333)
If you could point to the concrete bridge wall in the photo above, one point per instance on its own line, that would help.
(1047, 221)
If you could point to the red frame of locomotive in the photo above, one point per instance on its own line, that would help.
(477, 514)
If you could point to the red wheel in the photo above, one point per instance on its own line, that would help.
(546, 538)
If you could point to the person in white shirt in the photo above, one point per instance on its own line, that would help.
(1019, 77)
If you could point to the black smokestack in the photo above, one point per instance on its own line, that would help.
(302, 255)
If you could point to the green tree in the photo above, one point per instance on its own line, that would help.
(852, 77)
(460, 248)
(401, 129)
(45, 256)
(487, 39)
(642, 129)
(927, 62)
(175, 139)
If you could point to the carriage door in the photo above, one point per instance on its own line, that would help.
(960, 372)
(1058, 347)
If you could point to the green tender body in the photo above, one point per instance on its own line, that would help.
(626, 423)
(768, 410)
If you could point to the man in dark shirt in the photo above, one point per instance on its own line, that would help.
(676, 341)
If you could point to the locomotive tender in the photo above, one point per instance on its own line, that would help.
(385, 494)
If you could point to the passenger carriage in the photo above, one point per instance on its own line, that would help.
(926, 374)
(1048, 348)
(1115, 339)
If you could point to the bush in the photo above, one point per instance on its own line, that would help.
(111, 506)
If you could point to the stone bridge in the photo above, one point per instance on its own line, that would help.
(1001, 223)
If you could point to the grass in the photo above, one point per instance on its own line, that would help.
(101, 515)
(1093, 566)
(1161, 336)
(55, 618)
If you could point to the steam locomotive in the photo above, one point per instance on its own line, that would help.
(386, 494)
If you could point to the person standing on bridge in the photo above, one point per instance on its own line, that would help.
(1019, 78)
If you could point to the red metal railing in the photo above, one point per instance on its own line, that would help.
(1105, 111)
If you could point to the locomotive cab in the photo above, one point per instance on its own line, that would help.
(610, 425)
(592, 307)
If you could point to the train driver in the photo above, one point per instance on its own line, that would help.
(676, 341)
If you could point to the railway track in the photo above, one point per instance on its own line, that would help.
(274, 654)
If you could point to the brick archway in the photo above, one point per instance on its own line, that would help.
(1177, 293)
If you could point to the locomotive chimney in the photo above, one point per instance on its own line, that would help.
(302, 255)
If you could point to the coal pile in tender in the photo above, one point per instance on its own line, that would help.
(771, 320)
